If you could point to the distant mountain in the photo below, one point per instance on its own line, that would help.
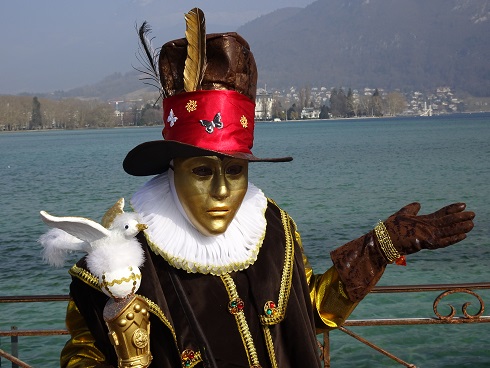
(113, 87)
(392, 44)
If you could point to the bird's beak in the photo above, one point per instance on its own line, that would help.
(142, 227)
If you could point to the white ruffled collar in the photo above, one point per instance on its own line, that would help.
(172, 236)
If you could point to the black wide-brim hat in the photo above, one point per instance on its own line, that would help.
(209, 84)
(153, 158)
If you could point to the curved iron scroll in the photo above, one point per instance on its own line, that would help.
(464, 307)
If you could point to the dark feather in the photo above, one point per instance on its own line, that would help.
(148, 57)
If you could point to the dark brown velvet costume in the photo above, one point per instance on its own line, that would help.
(189, 310)
(279, 269)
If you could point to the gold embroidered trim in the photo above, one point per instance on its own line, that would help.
(385, 242)
(108, 285)
(270, 346)
(91, 280)
(286, 278)
(85, 276)
(241, 321)
(134, 277)
(195, 267)
(155, 309)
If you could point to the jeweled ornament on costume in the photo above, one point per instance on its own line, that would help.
(189, 357)
(236, 306)
(210, 125)
(270, 309)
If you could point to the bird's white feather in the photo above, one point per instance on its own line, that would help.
(57, 244)
(111, 257)
(113, 253)
(80, 227)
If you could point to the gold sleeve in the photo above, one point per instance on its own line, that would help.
(330, 303)
(80, 350)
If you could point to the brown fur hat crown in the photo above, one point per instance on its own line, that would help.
(208, 84)
(230, 65)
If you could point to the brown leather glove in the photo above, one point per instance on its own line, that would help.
(410, 232)
(361, 262)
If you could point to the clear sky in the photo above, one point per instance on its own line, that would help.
(62, 44)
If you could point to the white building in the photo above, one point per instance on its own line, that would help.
(310, 113)
(263, 105)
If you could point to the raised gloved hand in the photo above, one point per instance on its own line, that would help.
(410, 233)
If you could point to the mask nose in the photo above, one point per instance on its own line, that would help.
(220, 188)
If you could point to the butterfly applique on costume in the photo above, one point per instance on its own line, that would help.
(210, 125)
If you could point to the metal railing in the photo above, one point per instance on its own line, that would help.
(451, 318)
(14, 332)
(447, 289)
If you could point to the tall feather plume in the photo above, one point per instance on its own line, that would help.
(148, 57)
(195, 63)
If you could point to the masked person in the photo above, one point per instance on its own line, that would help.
(226, 281)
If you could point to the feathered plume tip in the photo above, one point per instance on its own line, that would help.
(148, 57)
(57, 244)
(195, 63)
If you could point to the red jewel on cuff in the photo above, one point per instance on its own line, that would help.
(401, 261)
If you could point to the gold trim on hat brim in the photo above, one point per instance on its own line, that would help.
(153, 158)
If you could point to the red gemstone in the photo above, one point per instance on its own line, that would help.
(401, 261)
(272, 304)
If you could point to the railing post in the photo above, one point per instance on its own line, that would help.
(14, 342)
(326, 349)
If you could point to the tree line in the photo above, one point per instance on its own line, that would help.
(33, 113)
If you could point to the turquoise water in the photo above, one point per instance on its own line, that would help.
(346, 175)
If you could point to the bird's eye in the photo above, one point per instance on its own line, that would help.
(126, 227)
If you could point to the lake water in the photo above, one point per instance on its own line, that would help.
(345, 176)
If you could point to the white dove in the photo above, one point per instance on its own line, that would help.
(114, 254)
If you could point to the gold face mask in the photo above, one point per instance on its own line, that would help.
(211, 190)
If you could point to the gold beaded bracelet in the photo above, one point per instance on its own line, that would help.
(387, 246)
